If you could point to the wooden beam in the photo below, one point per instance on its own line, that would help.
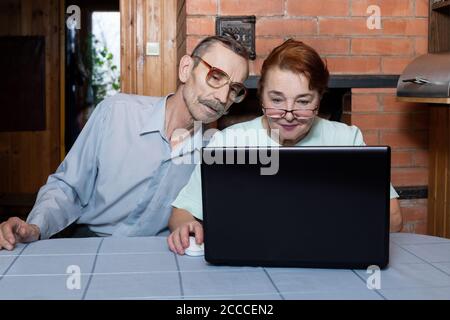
(424, 100)
(439, 170)
(62, 80)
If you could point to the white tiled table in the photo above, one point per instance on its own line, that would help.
(144, 268)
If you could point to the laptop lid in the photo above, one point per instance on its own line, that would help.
(324, 207)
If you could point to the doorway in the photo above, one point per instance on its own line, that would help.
(92, 62)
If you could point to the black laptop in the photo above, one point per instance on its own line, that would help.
(324, 207)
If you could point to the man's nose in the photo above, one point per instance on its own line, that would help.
(221, 94)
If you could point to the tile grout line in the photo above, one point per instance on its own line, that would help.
(418, 243)
(93, 269)
(84, 254)
(365, 282)
(427, 262)
(273, 284)
(12, 263)
(190, 297)
(127, 272)
(180, 279)
(224, 295)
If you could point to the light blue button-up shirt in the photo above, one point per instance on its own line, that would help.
(121, 175)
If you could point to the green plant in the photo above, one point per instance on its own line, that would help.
(105, 79)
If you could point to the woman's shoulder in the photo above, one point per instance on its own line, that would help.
(338, 132)
(335, 127)
(246, 125)
(246, 133)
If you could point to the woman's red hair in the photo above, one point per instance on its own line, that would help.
(299, 58)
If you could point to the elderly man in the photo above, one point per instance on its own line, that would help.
(129, 162)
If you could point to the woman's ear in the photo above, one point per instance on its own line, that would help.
(185, 68)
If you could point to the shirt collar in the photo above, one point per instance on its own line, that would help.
(155, 122)
(155, 118)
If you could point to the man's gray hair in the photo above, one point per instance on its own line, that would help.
(227, 42)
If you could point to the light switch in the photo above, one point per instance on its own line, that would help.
(152, 48)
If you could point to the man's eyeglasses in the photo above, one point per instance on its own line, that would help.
(277, 113)
(217, 78)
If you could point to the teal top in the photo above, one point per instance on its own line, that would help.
(252, 133)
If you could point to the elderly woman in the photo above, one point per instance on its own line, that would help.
(293, 81)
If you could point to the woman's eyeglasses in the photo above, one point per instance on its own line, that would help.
(278, 113)
(217, 78)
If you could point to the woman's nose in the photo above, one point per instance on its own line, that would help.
(289, 116)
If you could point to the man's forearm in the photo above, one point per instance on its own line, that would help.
(54, 209)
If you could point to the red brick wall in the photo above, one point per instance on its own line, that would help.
(337, 29)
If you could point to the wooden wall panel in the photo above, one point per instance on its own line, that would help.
(153, 65)
(439, 142)
(27, 158)
(181, 29)
(144, 21)
(439, 26)
(128, 45)
(438, 194)
(169, 72)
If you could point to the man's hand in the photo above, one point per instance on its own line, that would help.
(15, 231)
(179, 239)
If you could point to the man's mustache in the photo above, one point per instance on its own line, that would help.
(214, 104)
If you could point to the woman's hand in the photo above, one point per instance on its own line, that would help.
(178, 240)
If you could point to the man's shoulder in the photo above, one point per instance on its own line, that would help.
(122, 107)
(129, 111)
(130, 101)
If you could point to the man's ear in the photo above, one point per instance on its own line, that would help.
(185, 68)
